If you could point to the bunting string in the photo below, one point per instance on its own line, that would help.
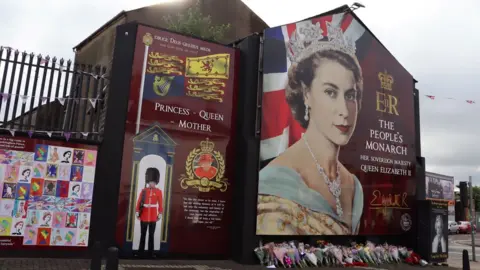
(468, 101)
(24, 98)
(66, 134)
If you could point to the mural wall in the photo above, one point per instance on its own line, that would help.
(338, 132)
(176, 176)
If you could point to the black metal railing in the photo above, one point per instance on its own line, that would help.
(43, 94)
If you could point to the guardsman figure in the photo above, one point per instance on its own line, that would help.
(149, 209)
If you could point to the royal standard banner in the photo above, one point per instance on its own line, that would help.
(211, 66)
(207, 76)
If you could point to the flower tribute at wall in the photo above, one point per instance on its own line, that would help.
(300, 255)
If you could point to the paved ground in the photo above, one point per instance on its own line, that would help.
(229, 265)
(43, 264)
(457, 243)
(62, 264)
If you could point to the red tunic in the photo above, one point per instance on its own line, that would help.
(210, 173)
(152, 206)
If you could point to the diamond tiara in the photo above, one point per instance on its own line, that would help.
(308, 39)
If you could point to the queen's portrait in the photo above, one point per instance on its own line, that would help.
(306, 190)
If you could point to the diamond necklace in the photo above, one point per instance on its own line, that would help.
(333, 184)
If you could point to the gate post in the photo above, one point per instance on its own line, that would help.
(109, 161)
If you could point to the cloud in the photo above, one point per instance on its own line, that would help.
(54, 27)
(449, 137)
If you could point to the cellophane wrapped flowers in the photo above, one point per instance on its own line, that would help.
(299, 255)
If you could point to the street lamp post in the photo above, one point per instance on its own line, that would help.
(472, 219)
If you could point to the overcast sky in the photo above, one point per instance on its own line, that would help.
(435, 40)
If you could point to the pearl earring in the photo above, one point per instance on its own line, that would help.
(306, 117)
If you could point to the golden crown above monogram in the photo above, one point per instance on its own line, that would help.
(386, 80)
(207, 146)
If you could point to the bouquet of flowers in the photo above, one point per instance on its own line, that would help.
(280, 251)
(393, 250)
(261, 255)
(379, 254)
(320, 254)
(337, 255)
(310, 256)
(270, 255)
(291, 257)
(370, 250)
(364, 253)
(413, 258)
(299, 255)
(302, 254)
(403, 253)
(288, 261)
(355, 255)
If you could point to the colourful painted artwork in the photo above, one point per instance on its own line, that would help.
(70, 237)
(52, 170)
(44, 235)
(5, 225)
(64, 171)
(77, 173)
(46, 195)
(78, 157)
(20, 209)
(87, 191)
(6, 207)
(40, 153)
(5, 156)
(62, 189)
(39, 169)
(9, 190)
(30, 236)
(90, 158)
(18, 226)
(59, 219)
(23, 191)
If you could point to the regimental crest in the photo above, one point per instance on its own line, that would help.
(204, 169)
(147, 39)
(386, 80)
(308, 39)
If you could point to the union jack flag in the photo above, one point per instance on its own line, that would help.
(279, 127)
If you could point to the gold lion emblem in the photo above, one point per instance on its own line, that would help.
(204, 169)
